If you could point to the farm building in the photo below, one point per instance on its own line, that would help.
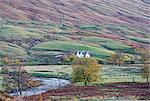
(81, 54)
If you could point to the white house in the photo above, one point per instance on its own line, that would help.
(81, 54)
(87, 54)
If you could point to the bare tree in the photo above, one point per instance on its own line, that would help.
(15, 78)
(58, 74)
(1, 25)
(3, 22)
(61, 19)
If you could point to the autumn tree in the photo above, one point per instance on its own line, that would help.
(68, 59)
(85, 70)
(145, 62)
(15, 78)
(119, 58)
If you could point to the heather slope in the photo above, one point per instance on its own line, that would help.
(78, 12)
(103, 25)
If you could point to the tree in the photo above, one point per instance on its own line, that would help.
(85, 70)
(145, 62)
(68, 59)
(1, 25)
(146, 72)
(3, 22)
(15, 78)
(61, 19)
(119, 58)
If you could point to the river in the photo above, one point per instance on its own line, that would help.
(47, 84)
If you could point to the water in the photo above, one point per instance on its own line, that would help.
(47, 84)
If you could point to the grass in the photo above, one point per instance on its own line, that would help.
(108, 43)
(1, 88)
(65, 46)
(109, 73)
(138, 39)
(11, 49)
(50, 68)
(89, 27)
(40, 53)
(105, 41)
(67, 77)
(15, 32)
(58, 39)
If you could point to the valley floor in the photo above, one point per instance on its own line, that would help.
(118, 83)
(111, 91)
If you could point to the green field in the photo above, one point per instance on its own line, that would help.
(65, 46)
(108, 73)
(12, 51)
(16, 32)
(138, 39)
(109, 44)
(38, 42)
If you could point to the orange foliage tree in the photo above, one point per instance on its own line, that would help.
(119, 58)
(85, 70)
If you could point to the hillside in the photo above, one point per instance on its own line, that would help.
(78, 12)
(47, 28)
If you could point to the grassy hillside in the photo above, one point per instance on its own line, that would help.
(108, 43)
(17, 33)
(43, 29)
(109, 73)
(12, 51)
(78, 12)
(97, 52)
